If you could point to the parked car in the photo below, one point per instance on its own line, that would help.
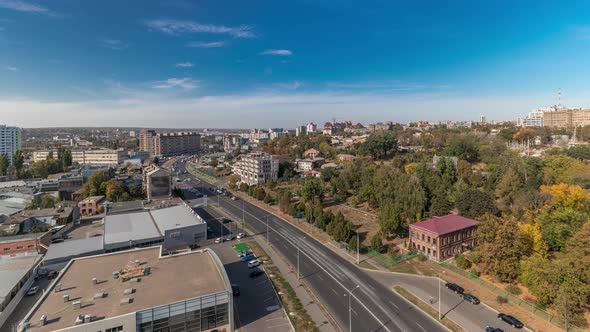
(254, 263)
(242, 235)
(218, 240)
(229, 238)
(32, 291)
(248, 258)
(235, 290)
(226, 220)
(234, 198)
(52, 275)
(470, 298)
(511, 320)
(454, 287)
(244, 253)
(256, 273)
(493, 329)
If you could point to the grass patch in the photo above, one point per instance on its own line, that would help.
(428, 309)
(367, 265)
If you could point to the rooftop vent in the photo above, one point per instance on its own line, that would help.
(116, 275)
(43, 320)
(87, 318)
(129, 291)
(94, 281)
(125, 301)
(79, 320)
(77, 304)
(57, 288)
(66, 298)
(99, 295)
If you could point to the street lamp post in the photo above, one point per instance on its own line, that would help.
(350, 307)
(267, 229)
(439, 297)
(298, 250)
(358, 248)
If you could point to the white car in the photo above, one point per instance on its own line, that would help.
(218, 240)
(254, 263)
(241, 235)
(234, 198)
(33, 290)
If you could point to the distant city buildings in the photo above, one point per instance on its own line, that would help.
(311, 128)
(10, 140)
(169, 144)
(533, 119)
(90, 157)
(301, 130)
(257, 168)
(566, 118)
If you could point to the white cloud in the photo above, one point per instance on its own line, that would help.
(294, 85)
(277, 52)
(26, 7)
(113, 44)
(214, 44)
(11, 68)
(183, 83)
(185, 65)
(178, 27)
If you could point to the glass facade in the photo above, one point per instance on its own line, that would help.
(195, 315)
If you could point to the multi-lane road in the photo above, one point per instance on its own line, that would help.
(373, 307)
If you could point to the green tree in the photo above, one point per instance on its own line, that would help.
(96, 184)
(18, 161)
(286, 170)
(4, 163)
(463, 147)
(352, 244)
(66, 158)
(115, 191)
(377, 243)
(47, 201)
(312, 189)
(571, 301)
(474, 203)
(390, 218)
(379, 145)
(508, 188)
(501, 247)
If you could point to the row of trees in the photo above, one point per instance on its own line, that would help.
(100, 183)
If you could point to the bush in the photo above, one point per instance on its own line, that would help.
(501, 299)
(422, 258)
(475, 273)
(377, 243)
(513, 289)
(463, 262)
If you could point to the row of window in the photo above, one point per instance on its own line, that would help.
(30, 246)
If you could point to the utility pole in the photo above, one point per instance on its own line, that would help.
(267, 241)
(358, 248)
(243, 216)
(298, 250)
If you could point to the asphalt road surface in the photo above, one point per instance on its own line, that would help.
(374, 307)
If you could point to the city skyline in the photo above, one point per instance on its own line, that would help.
(266, 64)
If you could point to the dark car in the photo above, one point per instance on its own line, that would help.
(256, 273)
(470, 298)
(511, 320)
(52, 275)
(454, 287)
(493, 329)
(235, 290)
(226, 220)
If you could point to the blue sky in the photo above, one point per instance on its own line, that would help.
(273, 63)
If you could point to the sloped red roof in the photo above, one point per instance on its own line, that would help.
(446, 224)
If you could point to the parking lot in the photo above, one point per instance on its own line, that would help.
(257, 307)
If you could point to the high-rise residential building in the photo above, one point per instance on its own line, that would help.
(482, 119)
(146, 141)
(258, 168)
(10, 140)
(312, 127)
(169, 144)
(300, 130)
(533, 119)
(566, 118)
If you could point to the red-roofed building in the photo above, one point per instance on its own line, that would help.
(441, 238)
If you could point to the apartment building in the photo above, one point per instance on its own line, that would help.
(95, 157)
(157, 182)
(257, 168)
(10, 140)
(566, 118)
(169, 144)
(441, 238)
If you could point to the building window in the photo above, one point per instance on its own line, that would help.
(30, 246)
(428, 239)
(6, 249)
(422, 237)
(429, 251)
(174, 235)
(19, 247)
(114, 329)
(434, 253)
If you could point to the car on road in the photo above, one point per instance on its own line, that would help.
(234, 198)
(470, 298)
(256, 273)
(235, 290)
(226, 220)
(32, 291)
(454, 287)
(493, 329)
(229, 238)
(218, 240)
(254, 263)
(52, 274)
(511, 320)
(242, 235)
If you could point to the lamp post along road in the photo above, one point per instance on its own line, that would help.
(350, 307)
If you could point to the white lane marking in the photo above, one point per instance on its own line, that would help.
(335, 292)
(320, 276)
(420, 326)
(393, 304)
(354, 312)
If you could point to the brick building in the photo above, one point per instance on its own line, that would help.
(441, 238)
(19, 244)
(91, 205)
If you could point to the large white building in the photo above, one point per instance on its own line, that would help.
(10, 140)
(257, 168)
(533, 119)
(93, 157)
